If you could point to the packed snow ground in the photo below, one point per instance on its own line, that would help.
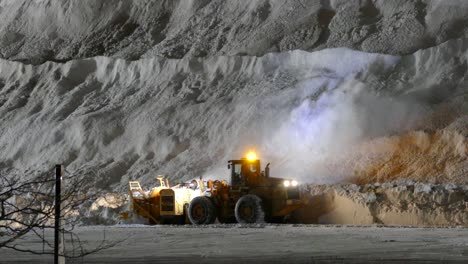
(264, 244)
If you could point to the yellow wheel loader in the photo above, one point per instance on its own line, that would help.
(252, 196)
(164, 204)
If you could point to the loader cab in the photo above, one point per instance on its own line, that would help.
(244, 172)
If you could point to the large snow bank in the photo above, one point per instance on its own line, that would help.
(304, 112)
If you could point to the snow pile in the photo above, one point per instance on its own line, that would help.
(406, 203)
(306, 113)
(438, 157)
(105, 210)
(50, 30)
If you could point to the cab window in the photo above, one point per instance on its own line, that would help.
(237, 169)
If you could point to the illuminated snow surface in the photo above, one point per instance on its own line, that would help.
(265, 244)
(129, 90)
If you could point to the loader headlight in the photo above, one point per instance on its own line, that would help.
(251, 156)
(294, 183)
(290, 183)
(137, 194)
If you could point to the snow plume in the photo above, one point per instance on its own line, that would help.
(343, 122)
(316, 143)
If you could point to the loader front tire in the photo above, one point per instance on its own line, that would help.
(202, 211)
(249, 210)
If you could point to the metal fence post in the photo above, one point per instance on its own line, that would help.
(58, 246)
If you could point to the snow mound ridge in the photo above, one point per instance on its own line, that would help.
(38, 31)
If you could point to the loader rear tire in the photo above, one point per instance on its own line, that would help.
(202, 211)
(249, 210)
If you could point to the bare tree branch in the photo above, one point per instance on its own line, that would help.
(27, 208)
